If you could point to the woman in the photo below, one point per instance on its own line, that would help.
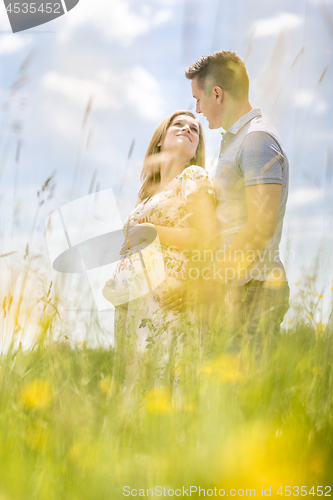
(177, 200)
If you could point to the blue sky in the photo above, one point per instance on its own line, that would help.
(129, 57)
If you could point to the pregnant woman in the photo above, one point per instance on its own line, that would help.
(177, 199)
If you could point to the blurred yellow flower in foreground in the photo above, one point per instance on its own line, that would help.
(158, 400)
(319, 296)
(297, 283)
(331, 288)
(227, 368)
(37, 435)
(82, 454)
(107, 385)
(262, 454)
(36, 394)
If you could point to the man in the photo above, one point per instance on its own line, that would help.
(251, 183)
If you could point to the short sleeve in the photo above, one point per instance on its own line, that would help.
(195, 179)
(261, 159)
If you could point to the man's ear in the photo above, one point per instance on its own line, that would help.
(218, 94)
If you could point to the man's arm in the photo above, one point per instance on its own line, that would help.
(262, 202)
(261, 162)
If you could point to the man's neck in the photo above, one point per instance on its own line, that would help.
(235, 112)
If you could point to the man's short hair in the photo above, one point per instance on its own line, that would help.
(224, 69)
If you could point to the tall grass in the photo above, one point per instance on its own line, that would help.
(71, 425)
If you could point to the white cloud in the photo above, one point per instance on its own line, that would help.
(320, 2)
(63, 119)
(79, 90)
(271, 26)
(13, 43)
(304, 196)
(135, 88)
(307, 98)
(304, 98)
(116, 20)
(321, 107)
(143, 93)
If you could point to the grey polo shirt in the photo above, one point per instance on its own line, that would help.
(251, 153)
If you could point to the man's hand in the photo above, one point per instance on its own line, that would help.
(175, 297)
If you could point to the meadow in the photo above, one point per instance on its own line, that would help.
(72, 427)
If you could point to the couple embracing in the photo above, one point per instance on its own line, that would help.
(236, 218)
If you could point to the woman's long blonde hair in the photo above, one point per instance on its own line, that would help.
(151, 174)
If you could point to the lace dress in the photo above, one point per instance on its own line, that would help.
(145, 325)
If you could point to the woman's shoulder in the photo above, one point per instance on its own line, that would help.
(195, 179)
(194, 172)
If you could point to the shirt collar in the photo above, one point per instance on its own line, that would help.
(244, 120)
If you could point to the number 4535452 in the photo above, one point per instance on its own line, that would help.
(302, 491)
(25, 8)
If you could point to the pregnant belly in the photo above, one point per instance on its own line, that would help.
(139, 276)
(160, 264)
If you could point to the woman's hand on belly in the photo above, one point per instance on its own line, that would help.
(118, 298)
(136, 238)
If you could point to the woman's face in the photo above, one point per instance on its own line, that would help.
(182, 136)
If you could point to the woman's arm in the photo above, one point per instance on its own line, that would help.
(201, 216)
(183, 238)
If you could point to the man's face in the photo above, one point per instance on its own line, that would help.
(209, 105)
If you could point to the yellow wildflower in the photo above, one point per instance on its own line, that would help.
(319, 296)
(310, 318)
(36, 394)
(81, 454)
(297, 283)
(318, 464)
(273, 455)
(331, 288)
(290, 321)
(158, 400)
(107, 385)
(226, 367)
